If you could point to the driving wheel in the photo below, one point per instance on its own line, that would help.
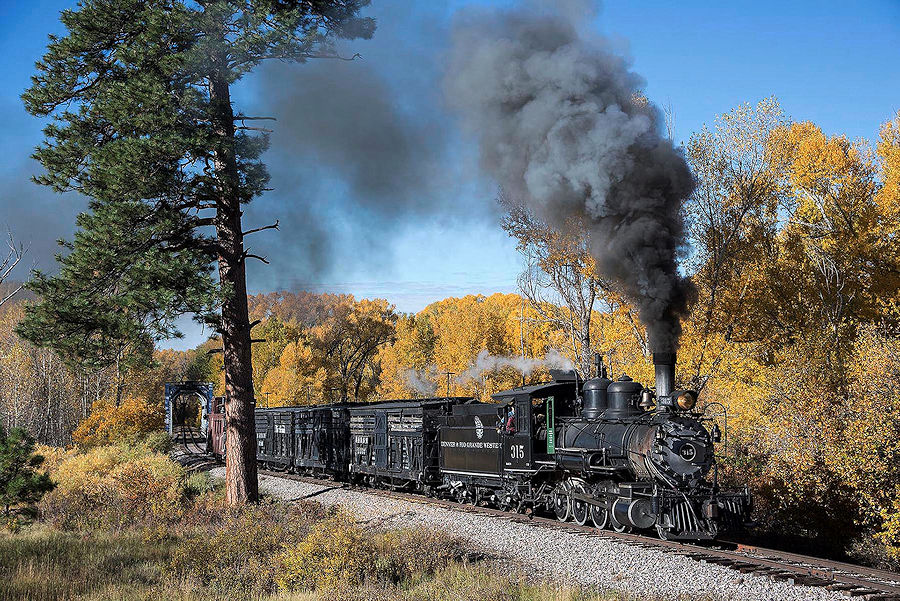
(581, 510)
(562, 502)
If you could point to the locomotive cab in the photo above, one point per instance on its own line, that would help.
(533, 411)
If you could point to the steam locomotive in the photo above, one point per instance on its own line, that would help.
(614, 453)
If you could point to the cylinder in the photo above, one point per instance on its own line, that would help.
(664, 366)
(637, 513)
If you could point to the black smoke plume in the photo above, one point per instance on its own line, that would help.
(564, 128)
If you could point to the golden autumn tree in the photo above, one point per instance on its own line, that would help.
(837, 242)
(470, 346)
(732, 221)
(273, 335)
(110, 423)
(408, 367)
(867, 456)
(297, 379)
(347, 342)
(794, 264)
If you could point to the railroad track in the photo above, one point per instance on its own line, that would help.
(190, 438)
(852, 580)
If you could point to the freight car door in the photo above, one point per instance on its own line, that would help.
(381, 438)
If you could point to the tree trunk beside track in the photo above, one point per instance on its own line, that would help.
(241, 484)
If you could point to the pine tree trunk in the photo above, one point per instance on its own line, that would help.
(241, 484)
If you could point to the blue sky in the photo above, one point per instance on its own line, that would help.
(830, 62)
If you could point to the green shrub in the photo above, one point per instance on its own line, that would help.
(198, 483)
(415, 553)
(156, 442)
(336, 553)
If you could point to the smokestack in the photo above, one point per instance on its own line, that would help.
(664, 365)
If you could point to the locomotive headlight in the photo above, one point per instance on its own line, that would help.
(686, 400)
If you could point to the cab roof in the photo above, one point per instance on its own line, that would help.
(535, 390)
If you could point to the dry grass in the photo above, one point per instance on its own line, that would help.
(42, 564)
(127, 523)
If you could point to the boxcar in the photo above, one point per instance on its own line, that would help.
(280, 454)
(311, 430)
(274, 437)
(265, 435)
(339, 441)
(396, 443)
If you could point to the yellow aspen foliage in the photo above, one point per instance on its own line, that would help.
(347, 342)
(409, 360)
(484, 342)
(293, 381)
(889, 155)
(867, 456)
(834, 241)
(109, 423)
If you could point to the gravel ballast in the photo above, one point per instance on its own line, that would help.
(548, 553)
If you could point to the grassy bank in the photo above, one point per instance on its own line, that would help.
(42, 564)
(125, 522)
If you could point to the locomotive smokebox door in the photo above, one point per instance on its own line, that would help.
(517, 440)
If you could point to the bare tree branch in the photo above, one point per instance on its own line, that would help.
(246, 118)
(273, 226)
(252, 256)
(8, 264)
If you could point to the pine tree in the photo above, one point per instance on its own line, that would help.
(138, 93)
(21, 487)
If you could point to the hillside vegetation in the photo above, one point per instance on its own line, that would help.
(794, 329)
